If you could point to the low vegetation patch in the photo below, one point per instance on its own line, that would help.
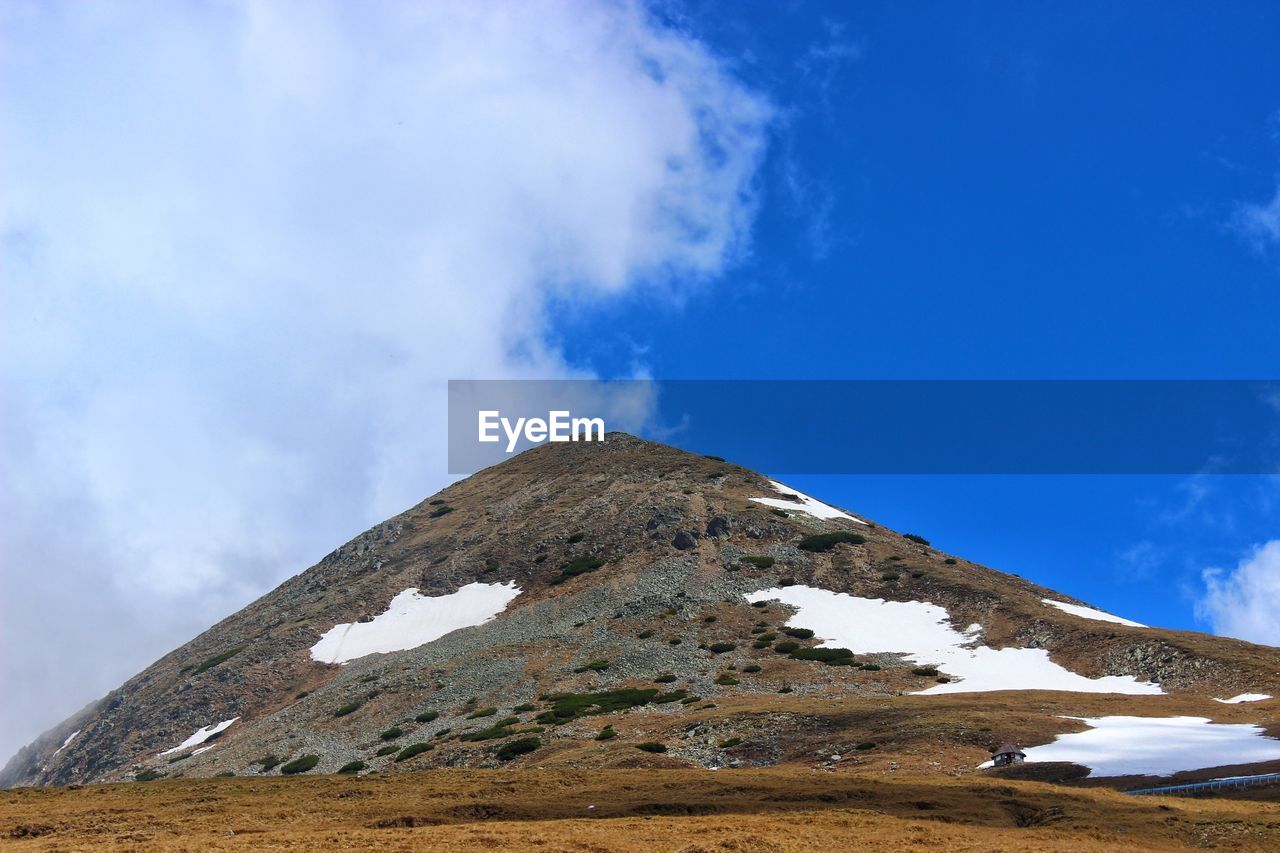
(889, 576)
(865, 745)
(267, 762)
(427, 716)
(594, 666)
(527, 706)
(577, 566)
(652, 746)
(665, 678)
(349, 708)
(820, 542)
(443, 509)
(351, 767)
(577, 537)
(483, 712)
(646, 634)
(515, 748)
(414, 749)
(786, 647)
(758, 562)
(727, 680)
(570, 706)
(499, 729)
(148, 776)
(730, 743)
(798, 633)
(917, 539)
(831, 657)
(751, 667)
(388, 750)
(925, 670)
(606, 733)
(210, 663)
(721, 648)
(300, 765)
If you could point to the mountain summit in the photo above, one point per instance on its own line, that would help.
(625, 604)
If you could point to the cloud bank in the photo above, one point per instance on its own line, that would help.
(244, 244)
(1245, 602)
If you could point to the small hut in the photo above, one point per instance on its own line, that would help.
(1006, 755)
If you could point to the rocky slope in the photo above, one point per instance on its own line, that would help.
(644, 591)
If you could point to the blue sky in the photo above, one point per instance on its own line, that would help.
(1005, 191)
(244, 246)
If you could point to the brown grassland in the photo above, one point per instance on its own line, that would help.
(638, 809)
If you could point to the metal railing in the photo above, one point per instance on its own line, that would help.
(1233, 783)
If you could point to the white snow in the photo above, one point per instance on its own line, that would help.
(70, 737)
(1157, 746)
(1243, 697)
(203, 749)
(201, 735)
(806, 504)
(923, 633)
(412, 620)
(1090, 613)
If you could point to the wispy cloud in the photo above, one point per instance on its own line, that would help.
(244, 245)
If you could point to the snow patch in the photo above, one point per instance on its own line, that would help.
(71, 737)
(201, 735)
(1090, 613)
(923, 633)
(1244, 697)
(413, 620)
(1157, 746)
(806, 504)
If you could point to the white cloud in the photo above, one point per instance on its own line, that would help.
(243, 246)
(1259, 224)
(1245, 602)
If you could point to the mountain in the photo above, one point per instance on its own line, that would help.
(581, 600)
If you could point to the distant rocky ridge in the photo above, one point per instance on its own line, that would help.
(622, 585)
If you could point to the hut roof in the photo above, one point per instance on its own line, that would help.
(1009, 748)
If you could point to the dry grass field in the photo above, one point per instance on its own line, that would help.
(642, 809)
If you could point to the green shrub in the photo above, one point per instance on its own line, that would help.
(786, 647)
(759, 629)
(652, 746)
(950, 561)
(499, 729)
(917, 574)
(515, 748)
(392, 733)
(267, 762)
(594, 666)
(606, 733)
(826, 541)
(349, 708)
(414, 749)
(665, 678)
(675, 641)
(730, 743)
(831, 657)
(148, 776)
(751, 667)
(436, 502)
(525, 708)
(942, 679)
(674, 695)
(210, 663)
(351, 767)
(758, 562)
(646, 633)
(914, 538)
(889, 576)
(870, 667)
(767, 638)
(427, 716)
(439, 511)
(786, 688)
(541, 558)
(759, 604)
(787, 582)
(778, 512)
(689, 700)
(225, 774)
(569, 706)
(577, 537)
(925, 670)
(866, 744)
(798, 633)
(577, 566)
(761, 644)
(709, 619)
(713, 458)
(727, 680)
(721, 648)
(300, 765)
(483, 712)
(388, 750)
(442, 732)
